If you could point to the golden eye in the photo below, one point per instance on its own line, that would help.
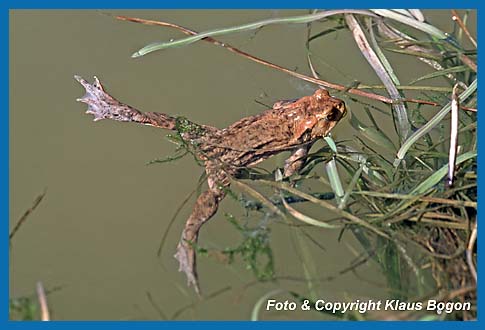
(336, 113)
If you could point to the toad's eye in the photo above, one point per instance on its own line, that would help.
(336, 113)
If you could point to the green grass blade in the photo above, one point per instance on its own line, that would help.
(302, 19)
(307, 219)
(331, 143)
(440, 73)
(308, 263)
(385, 62)
(261, 301)
(431, 124)
(259, 197)
(362, 159)
(415, 53)
(334, 178)
(437, 176)
(372, 134)
(418, 14)
(425, 27)
(356, 220)
(351, 186)
(399, 108)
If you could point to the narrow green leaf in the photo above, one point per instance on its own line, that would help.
(399, 110)
(431, 124)
(303, 19)
(356, 220)
(415, 53)
(437, 176)
(308, 262)
(362, 159)
(331, 143)
(425, 27)
(259, 197)
(261, 301)
(385, 62)
(351, 186)
(334, 178)
(418, 14)
(372, 134)
(307, 219)
(440, 73)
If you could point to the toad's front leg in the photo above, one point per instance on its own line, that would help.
(295, 162)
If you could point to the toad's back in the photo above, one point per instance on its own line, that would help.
(250, 139)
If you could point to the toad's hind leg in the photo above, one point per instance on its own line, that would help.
(103, 106)
(205, 207)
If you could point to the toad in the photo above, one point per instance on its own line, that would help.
(288, 126)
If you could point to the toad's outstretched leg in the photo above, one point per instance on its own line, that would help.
(103, 106)
(205, 207)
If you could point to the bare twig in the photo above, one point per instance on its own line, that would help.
(456, 17)
(455, 104)
(155, 306)
(44, 309)
(204, 298)
(25, 215)
(452, 202)
(469, 251)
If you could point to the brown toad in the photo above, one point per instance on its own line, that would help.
(288, 126)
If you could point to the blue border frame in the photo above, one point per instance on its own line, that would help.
(248, 4)
(147, 4)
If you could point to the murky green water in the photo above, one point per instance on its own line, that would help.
(96, 234)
